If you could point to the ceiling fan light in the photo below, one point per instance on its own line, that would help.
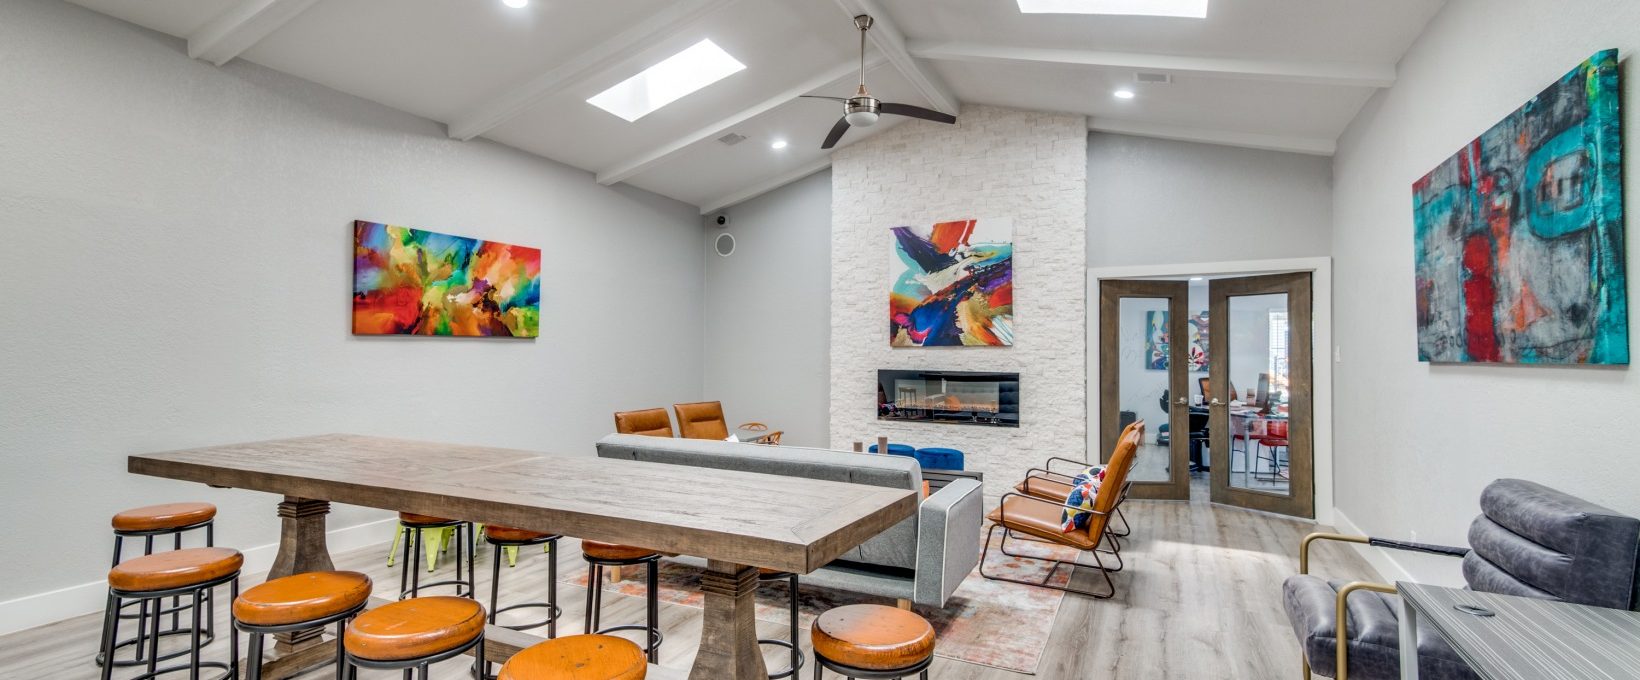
(862, 118)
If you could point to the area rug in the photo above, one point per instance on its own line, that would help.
(990, 623)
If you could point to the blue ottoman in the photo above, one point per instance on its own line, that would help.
(906, 450)
(940, 459)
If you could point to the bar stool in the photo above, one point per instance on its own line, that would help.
(599, 555)
(578, 657)
(148, 523)
(299, 602)
(413, 634)
(770, 575)
(410, 584)
(501, 538)
(872, 642)
(191, 572)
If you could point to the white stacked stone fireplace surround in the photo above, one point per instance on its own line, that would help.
(995, 162)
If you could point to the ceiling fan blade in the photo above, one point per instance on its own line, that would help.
(918, 112)
(816, 96)
(836, 133)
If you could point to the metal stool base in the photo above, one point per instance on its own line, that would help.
(822, 663)
(595, 589)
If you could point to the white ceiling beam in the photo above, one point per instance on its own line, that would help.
(710, 207)
(633, 166)
(1307, 72)
(891, 43)
(1306, 145)
(672, 19)
(240, 27)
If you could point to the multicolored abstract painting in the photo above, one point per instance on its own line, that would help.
(953, 284)
(1156, 341)
(413, 282)
(1519, 237)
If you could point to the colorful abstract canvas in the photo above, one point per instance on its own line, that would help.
(1156, 341)
(1518, 238)
(953, 284)
(413, 282)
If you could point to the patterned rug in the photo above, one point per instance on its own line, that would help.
(966, 629)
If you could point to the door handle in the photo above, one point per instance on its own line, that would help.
(1215, 402)
(1183, 401)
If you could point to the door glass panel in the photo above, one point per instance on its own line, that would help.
(1143, 382)
(1259, 339)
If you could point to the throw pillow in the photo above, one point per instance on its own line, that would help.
(1079, 504)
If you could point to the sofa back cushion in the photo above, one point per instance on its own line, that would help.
(1534, 541)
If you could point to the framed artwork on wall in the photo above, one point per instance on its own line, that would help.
(1519, 237)
(952, 284)
(1156, 341)
(413, 282)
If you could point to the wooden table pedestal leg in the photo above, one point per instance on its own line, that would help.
(301, 549)
(728, 637)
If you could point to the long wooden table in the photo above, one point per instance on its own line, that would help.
(736, 520)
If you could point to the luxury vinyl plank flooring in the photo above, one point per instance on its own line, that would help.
(1200, 597)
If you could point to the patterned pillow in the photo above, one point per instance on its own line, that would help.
(1079, 504)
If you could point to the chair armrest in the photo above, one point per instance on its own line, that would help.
(1050, 461)
(1304, 547)
(1342, 621)
(950, 525)
(1050, 475)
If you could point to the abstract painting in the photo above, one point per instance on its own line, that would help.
(1156, 341)
(1518, 239)
(953, 284)
(413, 282)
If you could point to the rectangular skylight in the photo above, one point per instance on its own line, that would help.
(702, 64)
(1196, 9)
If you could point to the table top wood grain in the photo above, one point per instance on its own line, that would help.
(1530, 638)
(785, 523)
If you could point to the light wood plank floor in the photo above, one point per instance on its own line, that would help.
(1200, 598)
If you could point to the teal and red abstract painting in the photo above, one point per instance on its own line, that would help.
(1518, 238)
(953, 284)
(413, 282)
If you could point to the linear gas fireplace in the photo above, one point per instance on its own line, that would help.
(959, 397)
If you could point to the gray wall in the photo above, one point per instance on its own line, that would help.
(177, 269)
(1416, 443)
(766, 311)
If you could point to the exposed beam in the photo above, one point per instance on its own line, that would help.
(710, 207)
(673, 18)
(891, 43)
(1305, 145)
(1309, 72)
(633, 166)
(240, 27)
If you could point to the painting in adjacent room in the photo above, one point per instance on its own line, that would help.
(1156, 341)
(1519, 237)
(414, 282)
(953, 284)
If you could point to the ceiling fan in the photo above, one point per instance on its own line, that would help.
(862, 109)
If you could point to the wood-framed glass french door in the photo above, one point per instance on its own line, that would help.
(1261, 415)
(1142, 376)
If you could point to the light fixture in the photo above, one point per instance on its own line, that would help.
(1123, 94)
(861, 116)
(516, 4)
(1198, 278)
(778, 144)
(1194, 9)
(672, 79)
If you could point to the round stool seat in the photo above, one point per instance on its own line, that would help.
(302, 597)
(936, 458)
(578, 657)
(614, 551)
(511, 535)
(413, 518)
(414, 628)
(174, 569)
(873, 637)
(162, 517)
(765, 572)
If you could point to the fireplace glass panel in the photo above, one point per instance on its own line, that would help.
(956, 397)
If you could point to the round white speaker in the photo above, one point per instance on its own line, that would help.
(725, 244)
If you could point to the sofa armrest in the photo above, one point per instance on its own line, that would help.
(949, 530)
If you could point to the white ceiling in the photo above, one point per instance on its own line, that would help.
(1277, 74)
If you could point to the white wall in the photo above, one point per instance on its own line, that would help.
(177, 272)
(766, 319)
(1415, 442)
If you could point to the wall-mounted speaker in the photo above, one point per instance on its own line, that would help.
(725, 244)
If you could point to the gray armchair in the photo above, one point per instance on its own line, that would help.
(1529, 540)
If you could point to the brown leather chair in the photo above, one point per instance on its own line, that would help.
(1043, 482)
(702, 420)
(651, 422)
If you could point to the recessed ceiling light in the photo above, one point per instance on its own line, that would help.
(516, 4)
(1196, 9)
(778, 144)
(702, 64)
(1123, 94)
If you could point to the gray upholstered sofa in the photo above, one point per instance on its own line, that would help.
(922, 559)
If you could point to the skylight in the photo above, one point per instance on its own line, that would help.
(1195, 9)
(702, 64)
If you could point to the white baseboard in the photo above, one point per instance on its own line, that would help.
(40, 609)
(1380, 559)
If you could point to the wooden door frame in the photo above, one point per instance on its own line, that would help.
(1177, 486)
(1321, 280)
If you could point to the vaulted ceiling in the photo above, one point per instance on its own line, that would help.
(1273, 74)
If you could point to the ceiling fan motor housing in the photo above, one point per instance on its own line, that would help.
(862, 111)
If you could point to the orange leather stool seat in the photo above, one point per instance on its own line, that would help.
(302, 597)
(578, 657)
(614, 551)
(511, 535)
(162, 517)
(174, 569)
(413, 518)
(414, 628)
(873, 637)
